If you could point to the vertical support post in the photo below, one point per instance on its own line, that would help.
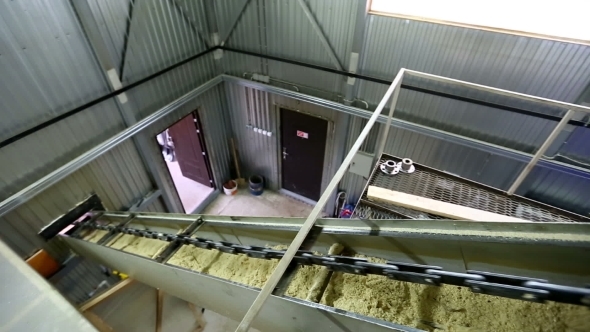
(91, 29)
(385, 133)
(278, 272)
(529, 167)
(357, 52)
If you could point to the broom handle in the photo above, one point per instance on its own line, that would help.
(236, 164)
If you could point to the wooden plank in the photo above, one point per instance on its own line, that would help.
(97, 322)
(159, 309)
(102, 296)
(444, 209)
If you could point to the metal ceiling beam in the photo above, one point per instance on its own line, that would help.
(234, 21)
(321, 35)
(502, 92)
(127, 37)
(124, 104)
(196, 29)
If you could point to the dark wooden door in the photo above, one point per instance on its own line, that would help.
(189, 150)
(303, 139)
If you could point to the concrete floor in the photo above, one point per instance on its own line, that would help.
(191, 193)
(269, 204)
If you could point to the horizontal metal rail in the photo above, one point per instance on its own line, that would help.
(34, 189)
(502, 92)
(402, 124)
(567, 234)
(50, 179)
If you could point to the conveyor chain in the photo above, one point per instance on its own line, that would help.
(515, 287)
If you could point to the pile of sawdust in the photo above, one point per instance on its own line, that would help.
(303, 281)
(448, 308)
(238, 268)
(95, 235)
(246, 270)
(138, 245)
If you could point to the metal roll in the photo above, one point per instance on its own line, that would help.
(390, 166)
(407, 164)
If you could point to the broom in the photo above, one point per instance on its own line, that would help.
(241, 181)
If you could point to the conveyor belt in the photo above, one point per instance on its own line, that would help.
(431, 183)
(545, 259)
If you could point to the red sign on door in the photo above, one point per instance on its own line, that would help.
(302, 134)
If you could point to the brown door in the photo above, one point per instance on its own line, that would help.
(303, 144)
(189, 150)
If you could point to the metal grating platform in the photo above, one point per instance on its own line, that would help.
(434, 184)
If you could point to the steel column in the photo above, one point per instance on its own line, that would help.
(529, 167)
(350, 86)
(385, 133)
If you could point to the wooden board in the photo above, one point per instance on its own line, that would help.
(159, 309)
(97, 322)
(102, 296)
(444, 209)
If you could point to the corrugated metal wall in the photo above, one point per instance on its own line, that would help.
(260, 154)
(78, 281)
(281, 28)
(544, 68)
(118, 177)
(49, 68)
(534, 66)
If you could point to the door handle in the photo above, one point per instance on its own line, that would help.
(285, 154)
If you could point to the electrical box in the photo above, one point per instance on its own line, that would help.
(361, 164)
